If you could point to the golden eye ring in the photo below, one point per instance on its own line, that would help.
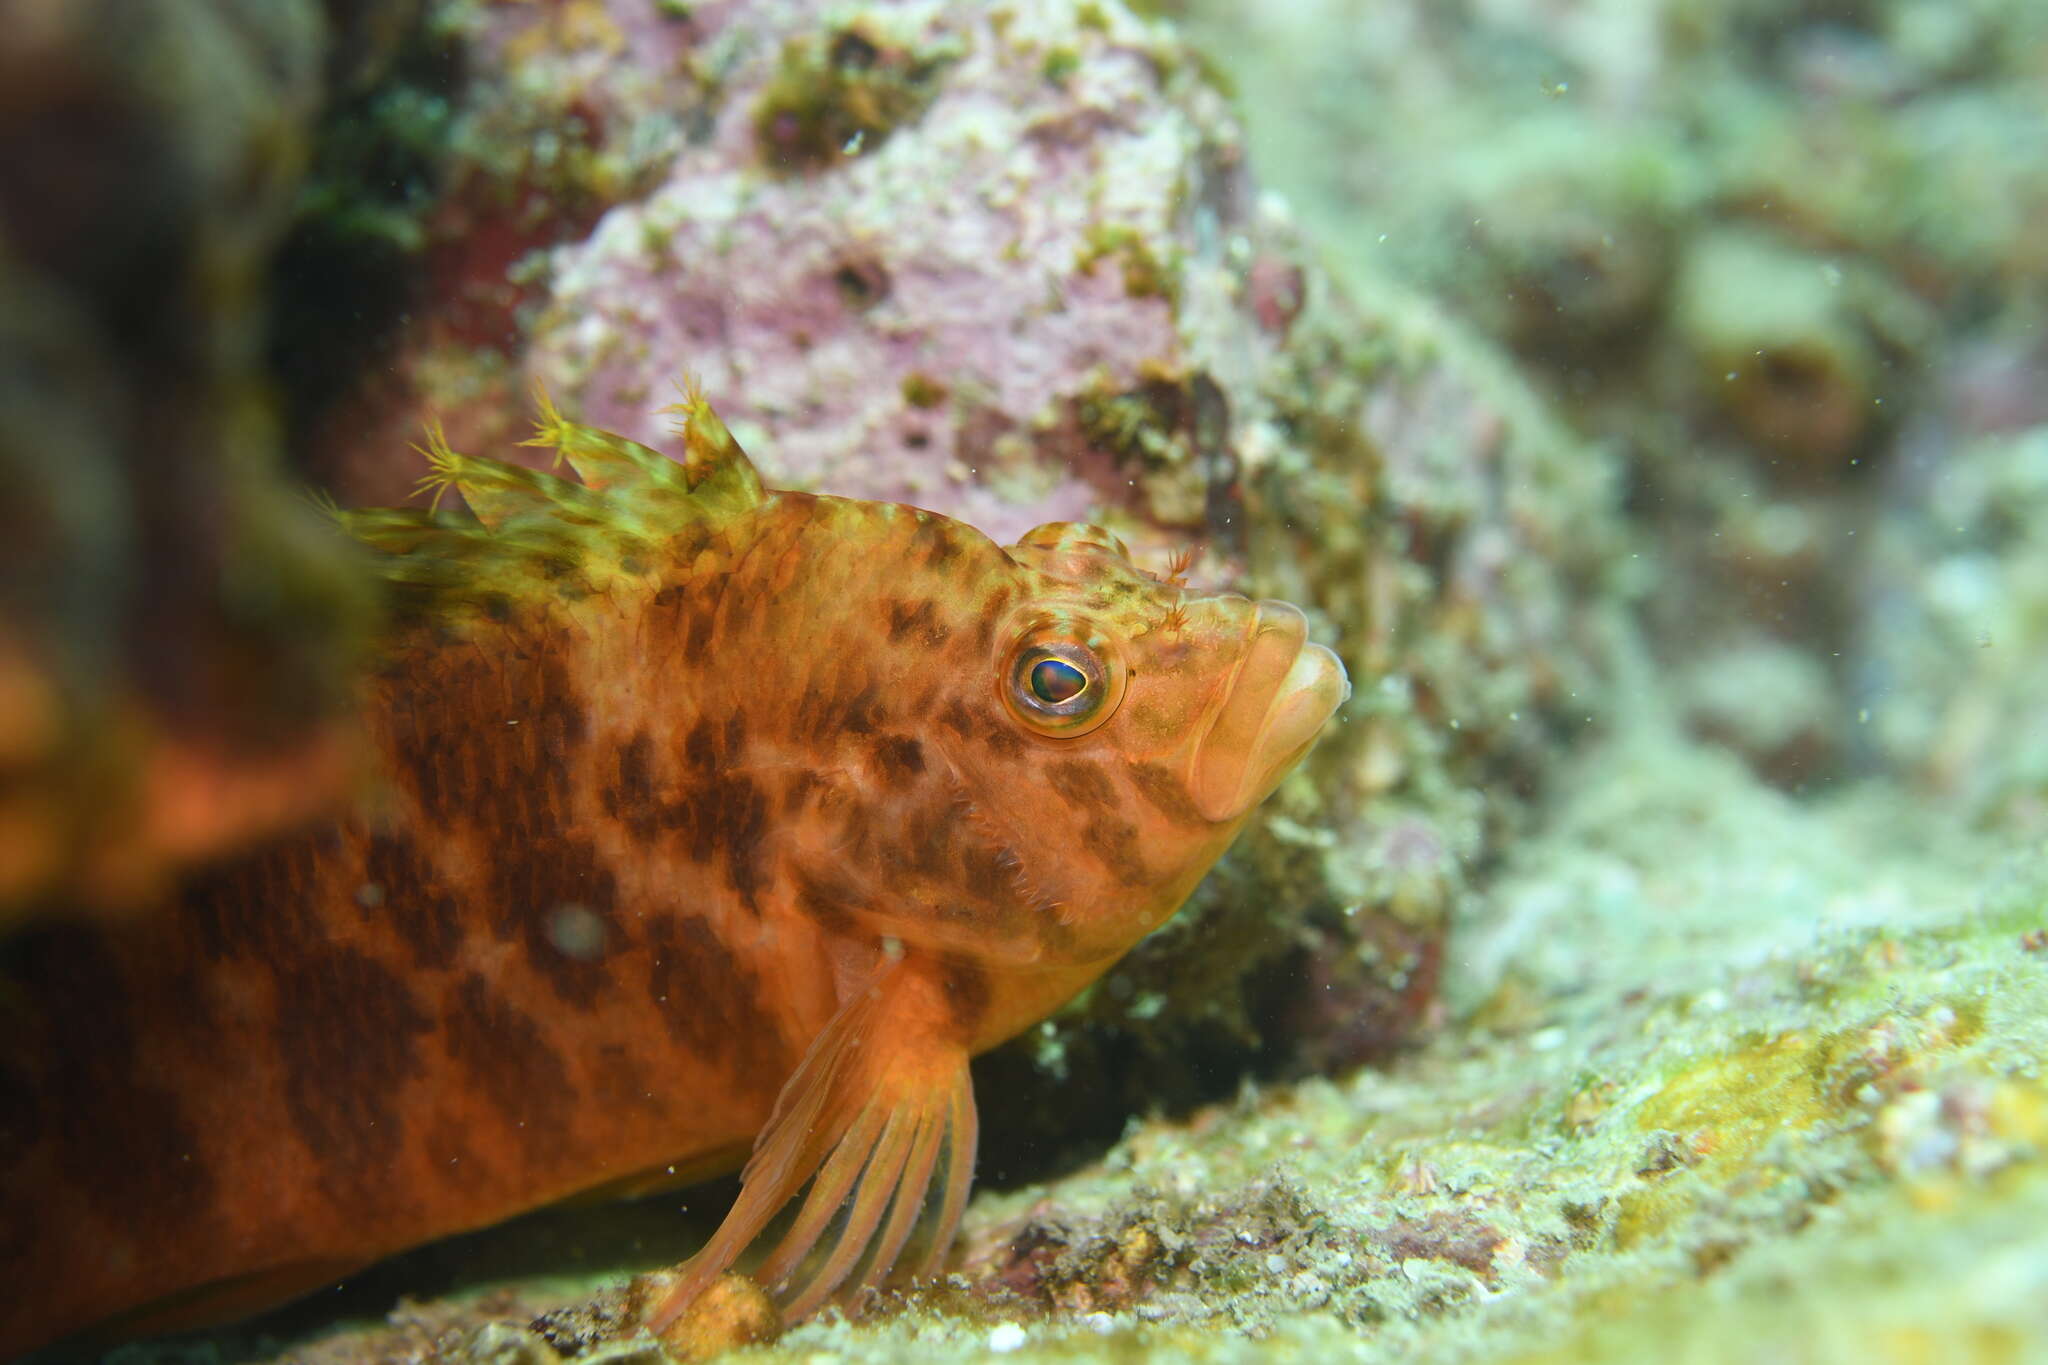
(1059, 686)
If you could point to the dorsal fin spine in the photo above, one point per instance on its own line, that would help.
(710, 454)
(601, 459)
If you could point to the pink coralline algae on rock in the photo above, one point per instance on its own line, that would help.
(987, 260)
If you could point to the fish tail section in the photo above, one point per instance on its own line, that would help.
(863, 1121)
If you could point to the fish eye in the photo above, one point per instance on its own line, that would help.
(1060, 686)
(1054, 681)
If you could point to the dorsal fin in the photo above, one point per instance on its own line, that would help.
(523, 533)
(718, 470)
(499, 493)
(601, 459)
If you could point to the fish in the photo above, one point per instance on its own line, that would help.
(708, 824)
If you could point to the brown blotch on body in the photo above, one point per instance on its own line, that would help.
(739, 600)
(346, 1034)
(1115, 843)
(512, 1066)
(832, 903)
(924, 840)
(699, 627)
(700, 746)
(708, 1000)
(992, 613)
(630, 799)
(1166, 793)
(967, 992)
(410, 900)
(260, 907)
(898, 760)
(74, 1048)
(984, 725)
(863, 711)
(955, 716)
(536, 880)
(456, 744)
(724, 816)
(809, 719)
(429, 708)
(919, 619)
(989, 871)
(941, 541)
(1083, 783)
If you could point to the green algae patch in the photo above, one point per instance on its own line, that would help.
(1727, 1107)
(1882, 1281)
(841, 94)
(922, 391)
(1145, 274)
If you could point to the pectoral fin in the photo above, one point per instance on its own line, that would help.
(879, 1112)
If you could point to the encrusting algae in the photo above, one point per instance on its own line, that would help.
(708, 816)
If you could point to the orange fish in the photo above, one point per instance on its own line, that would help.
(708, 818)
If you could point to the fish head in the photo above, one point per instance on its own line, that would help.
(1152, 722)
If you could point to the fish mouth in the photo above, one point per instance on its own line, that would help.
(1284, 690)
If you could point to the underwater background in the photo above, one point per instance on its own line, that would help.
(1648, 399)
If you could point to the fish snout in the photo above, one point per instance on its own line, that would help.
(1284, 691)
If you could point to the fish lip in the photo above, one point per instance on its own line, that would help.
(1281, 693)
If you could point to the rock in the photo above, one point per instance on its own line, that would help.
(504, 1343)
(176, 631)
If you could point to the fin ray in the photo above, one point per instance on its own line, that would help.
(882, 1088)
(912, 1192)
(877, 1189)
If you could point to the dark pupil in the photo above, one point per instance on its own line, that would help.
(1055, 680)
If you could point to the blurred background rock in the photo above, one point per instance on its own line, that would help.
(176, 636)
(1784, 261)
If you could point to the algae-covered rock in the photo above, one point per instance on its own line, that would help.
(1950, 664)
(1740, 241)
